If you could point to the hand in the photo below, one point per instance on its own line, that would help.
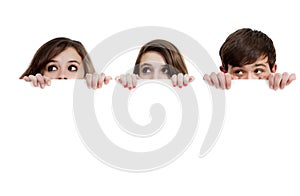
(220, 80)
(181, 80)
(96, 80)
(128, 80)
(278, 80)
(38, 80)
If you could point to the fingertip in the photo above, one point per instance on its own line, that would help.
(25, 78)
(118, 79)
(192, 78)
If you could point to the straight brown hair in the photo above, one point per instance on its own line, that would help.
(169, 52)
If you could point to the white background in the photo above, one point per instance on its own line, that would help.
(41, 152)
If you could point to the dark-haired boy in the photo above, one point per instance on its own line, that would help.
(248, 54)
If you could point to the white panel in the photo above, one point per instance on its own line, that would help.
(256, 153)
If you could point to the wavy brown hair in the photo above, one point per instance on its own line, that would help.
(51, 49)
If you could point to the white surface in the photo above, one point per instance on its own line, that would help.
(257, 152)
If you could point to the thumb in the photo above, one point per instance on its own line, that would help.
(118, 78)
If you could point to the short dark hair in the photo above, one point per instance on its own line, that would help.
(245, 46)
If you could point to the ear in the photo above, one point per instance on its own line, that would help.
(274, 68)
(223, 69)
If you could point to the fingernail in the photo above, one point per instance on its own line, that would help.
(174, 85)
(134, 86)
(191, 78)
(185, 84)
(180, 86)
(129, 88)
(125, 86)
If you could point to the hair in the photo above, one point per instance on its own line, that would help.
(245, 46)
(169, 52)
(51, 49)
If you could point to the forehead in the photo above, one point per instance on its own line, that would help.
(68, 54)
(262, 60)
(152, 56)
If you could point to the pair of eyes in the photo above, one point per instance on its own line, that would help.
(71, 68)
(241, 72)
(146, 70)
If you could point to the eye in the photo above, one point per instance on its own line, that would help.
(146, 70)
(72, 68)
(165, 70)
(238, 72)
(258, 71)
(52, 68)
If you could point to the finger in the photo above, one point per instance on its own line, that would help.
(129, 80)
(174, 80)
(285, 77)
(95, 78)
(186, 78)
(277, 80)
(221, 79)
(26, 78)
(107, 79)
(101, 79)
(40, 80)
(88, 79)
(227, 80)
(134, 80)
(207, 79)
(47, 80)
(271, 81)
(118, 78)
(215, 80)
(33, 79)
(291, 78)
(191, 78)
(123, 80)
(180, 80)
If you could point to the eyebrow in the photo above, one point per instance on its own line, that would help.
(259, 64)
(71, 61)
(146, 64)
(149, 64)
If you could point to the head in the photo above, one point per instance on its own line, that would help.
(61, 58)
(248, 54)
(159, 59)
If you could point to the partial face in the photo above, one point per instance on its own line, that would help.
(66, 65)
(153, 66)
(260, 69)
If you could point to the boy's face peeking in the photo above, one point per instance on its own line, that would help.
(260, 69)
